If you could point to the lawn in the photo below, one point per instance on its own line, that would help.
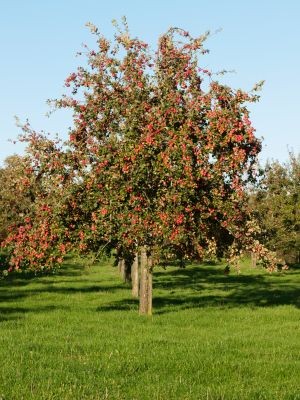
(78, 335)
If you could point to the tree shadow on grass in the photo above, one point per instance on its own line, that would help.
(15, 288)
(81, 289)
(9, 295)
(237, 298)
(199, 277)
(174, 289)
(24, 278)
(17, 313)
(214, 289)
(121, 305)
(204, 287)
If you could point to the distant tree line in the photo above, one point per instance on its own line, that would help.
(275, 202)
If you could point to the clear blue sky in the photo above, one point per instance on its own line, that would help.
(259, 40)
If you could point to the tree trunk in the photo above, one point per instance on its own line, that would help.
(135, 276)
(253, 259)
(124, 268)
(121, 268)
(146, 284)
(127, 271)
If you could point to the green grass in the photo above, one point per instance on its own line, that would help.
(78, 335)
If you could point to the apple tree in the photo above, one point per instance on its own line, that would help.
(157, 161)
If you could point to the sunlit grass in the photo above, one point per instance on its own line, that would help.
(78, 335)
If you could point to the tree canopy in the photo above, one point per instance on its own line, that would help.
(276, 205)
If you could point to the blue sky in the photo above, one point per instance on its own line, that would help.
(259, 40)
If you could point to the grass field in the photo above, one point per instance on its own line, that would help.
(78, 335)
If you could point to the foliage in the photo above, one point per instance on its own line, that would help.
(34, 241)
(15, 198)
(276, 204)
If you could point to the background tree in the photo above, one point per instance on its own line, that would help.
(37, 239)
(15, 198)
(276, 204)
